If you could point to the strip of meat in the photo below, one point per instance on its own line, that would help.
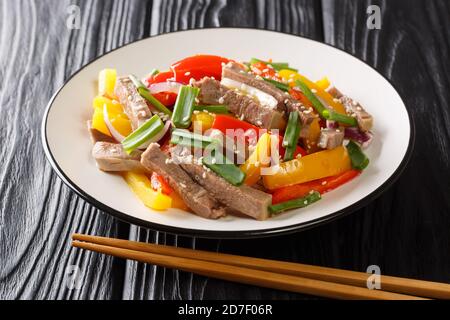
(234, 71)
(194, 195)
(331, 138)
(245, 107)
(244, 199)
(111, 157)
(365, 120)
(285, 101)
(134, 105)
(97, 136)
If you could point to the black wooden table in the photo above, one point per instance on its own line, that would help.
(405, 231)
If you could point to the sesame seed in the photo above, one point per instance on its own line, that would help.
(221, 100)
(182, 185)
(305, 202)
(187, 73)
(204, 175)
(265, 70)
(324, 183)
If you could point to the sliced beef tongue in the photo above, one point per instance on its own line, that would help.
(243, 106)
(194, 195)
(111, 157)
(211, 91)
(331, 138)
(365, 120)
(246, 108)
(134, 105)
(245, 200)
(235, 72)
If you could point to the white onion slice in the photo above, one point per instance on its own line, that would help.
(116, 134)
(156, 138)
(264, 98)
(167, 86)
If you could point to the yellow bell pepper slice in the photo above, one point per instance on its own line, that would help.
(311, 167)
(177, 202)
(202, 120)
(116, 116)
(141, 186)
(313, 136)
(325, 96)
(323, 83)
(107, 82)
(260, 158)
(98, 122)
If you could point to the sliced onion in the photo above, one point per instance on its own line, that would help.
(332, 124)
(363, 138)
(156, 138)
(167, 86)
(116, 134)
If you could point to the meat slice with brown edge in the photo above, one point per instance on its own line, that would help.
(194, 195)
(134, 105)
(211, 91)
(246, 108)
(364, 119)
(331, 138)
(111, 157)
(234, 71)
(244, 199)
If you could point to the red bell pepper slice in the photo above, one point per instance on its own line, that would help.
(159, 183)
(197, 67)
(160, 77)
(223, 122)
(264, 70)
(300, 97)
(166, 98)
(322, 186)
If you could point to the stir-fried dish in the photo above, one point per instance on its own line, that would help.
(218, 137)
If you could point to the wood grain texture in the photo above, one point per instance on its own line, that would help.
(405, 231)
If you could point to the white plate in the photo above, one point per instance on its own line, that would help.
(68, 146)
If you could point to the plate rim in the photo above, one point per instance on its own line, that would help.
(241, 234)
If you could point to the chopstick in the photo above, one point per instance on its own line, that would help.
(320, 281)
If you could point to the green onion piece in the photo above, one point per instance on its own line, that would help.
(142, 134)
(358, 158)
(190, 139)
(145, 93)
(342, 118)
(137, 83)
(291, 136)
(311, 97)
(324, 112)
(154, 72)
(182, 111)
(154, 102)
(225, 168)
(296, 203)
(276, 65)
(279, 85)
(219, 109)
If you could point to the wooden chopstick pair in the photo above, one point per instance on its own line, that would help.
(301, 278)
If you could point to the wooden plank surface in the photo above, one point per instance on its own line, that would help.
(405, 231)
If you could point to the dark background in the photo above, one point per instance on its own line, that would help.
(405, 231)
